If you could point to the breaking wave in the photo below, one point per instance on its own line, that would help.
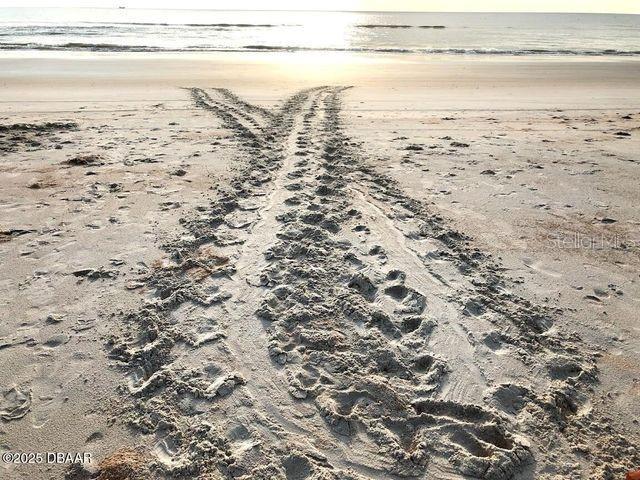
(112, 47)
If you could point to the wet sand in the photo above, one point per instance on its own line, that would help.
(233, 266)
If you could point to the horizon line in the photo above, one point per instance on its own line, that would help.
(330, 11)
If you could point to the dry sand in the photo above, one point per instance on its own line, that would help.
(232, 266)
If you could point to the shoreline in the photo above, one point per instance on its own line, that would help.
(437, 83)
(36, 53)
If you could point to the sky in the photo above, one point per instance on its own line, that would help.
(596, 6)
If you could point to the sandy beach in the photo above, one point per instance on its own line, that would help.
(323, 266)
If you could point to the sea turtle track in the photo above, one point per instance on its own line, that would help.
(315, 322)
(352, 332)
(207, 408)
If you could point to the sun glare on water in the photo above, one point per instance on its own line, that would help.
(319, 29)
(318, 32)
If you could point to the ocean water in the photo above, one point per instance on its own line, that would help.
(210, 30)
